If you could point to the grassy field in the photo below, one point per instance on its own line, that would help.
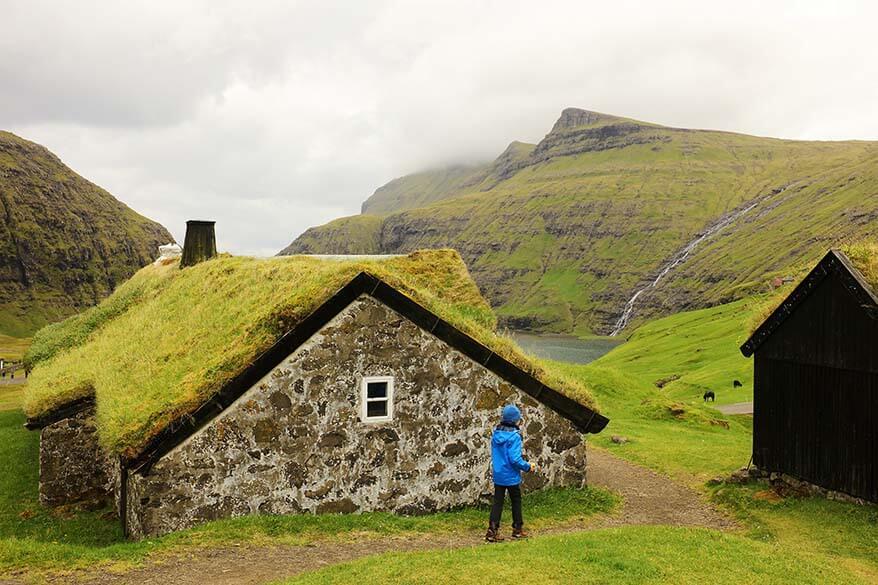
(13, 348)
(625, 555)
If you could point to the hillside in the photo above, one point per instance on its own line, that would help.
(561, 235)
(65, 243)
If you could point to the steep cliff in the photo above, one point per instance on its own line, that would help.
(572, 228)
(65, 243)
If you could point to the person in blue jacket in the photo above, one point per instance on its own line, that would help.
(507, 465)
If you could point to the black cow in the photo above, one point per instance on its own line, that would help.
(709, 395)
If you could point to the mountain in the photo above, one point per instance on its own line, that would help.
(562, 235)
(65, 243)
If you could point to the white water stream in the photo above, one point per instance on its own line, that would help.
(678, 259)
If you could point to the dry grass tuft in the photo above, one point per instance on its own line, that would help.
(864, 256)
(168, 339)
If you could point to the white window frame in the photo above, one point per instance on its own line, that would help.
(364, 399)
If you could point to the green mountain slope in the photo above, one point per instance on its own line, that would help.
(603, 206)
(65, 243)
(423, 188)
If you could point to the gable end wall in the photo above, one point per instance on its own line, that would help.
(73, 467)
(294, 442)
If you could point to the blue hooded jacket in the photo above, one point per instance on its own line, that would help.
(506, 460)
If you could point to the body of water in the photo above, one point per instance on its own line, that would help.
(565, 348)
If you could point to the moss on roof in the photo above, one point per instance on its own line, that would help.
(864, 256)
(168, 339)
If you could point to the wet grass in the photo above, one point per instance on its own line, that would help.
(631, 555)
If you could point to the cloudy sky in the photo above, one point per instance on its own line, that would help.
(271, 117)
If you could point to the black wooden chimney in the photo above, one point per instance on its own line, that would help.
(200, 242)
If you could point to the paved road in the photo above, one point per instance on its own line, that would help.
(737, 408)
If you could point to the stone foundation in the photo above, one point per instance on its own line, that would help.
(295, 442)
(786, 485)
(73, 467)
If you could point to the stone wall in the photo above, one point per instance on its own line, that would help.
(295, 442)
(73, 467)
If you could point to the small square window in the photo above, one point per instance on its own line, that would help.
(376, 398)
(376, 390)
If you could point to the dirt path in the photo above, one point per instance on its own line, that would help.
(736, 408)
(649, 498)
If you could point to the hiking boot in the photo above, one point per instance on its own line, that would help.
(519, 533)
(493, 535)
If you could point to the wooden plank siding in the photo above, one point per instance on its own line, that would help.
(815, 423)
(816, 394)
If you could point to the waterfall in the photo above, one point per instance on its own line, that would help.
(681, 256)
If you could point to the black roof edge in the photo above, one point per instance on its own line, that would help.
(66, 410)
(834, 262)
(583, 418)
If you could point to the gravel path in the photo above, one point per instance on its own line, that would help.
(736, 408)
(649, 498)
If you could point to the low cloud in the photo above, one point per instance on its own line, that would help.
(271, 117)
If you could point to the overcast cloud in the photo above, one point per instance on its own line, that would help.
(271, 117)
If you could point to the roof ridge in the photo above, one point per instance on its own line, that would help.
(834, 262)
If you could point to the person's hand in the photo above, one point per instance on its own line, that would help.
(533, 468)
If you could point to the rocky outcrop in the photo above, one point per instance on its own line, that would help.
(576, 117)
(65, 243)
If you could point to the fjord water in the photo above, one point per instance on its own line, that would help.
(565, 348)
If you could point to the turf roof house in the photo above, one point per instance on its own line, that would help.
(815, 390)
(373, 387)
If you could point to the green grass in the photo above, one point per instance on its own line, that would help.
(176, 336)
(630, 555)
(864, 256)
(35, 538)
(13, 348)
(690, 442)
(838, 530)
(692, 352)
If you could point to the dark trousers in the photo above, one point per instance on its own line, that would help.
(497, 507)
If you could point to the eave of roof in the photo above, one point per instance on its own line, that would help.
(583, 418)
(835, 262)
(65, 410)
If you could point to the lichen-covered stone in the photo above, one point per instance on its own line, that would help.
(73, 467)
(295, 442)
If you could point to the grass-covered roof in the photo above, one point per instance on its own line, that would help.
(169, 339)
(864, 256)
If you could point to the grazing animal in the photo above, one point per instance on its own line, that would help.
(737, 384)
(709, 395)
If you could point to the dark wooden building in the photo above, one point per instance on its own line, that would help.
(815, 390)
